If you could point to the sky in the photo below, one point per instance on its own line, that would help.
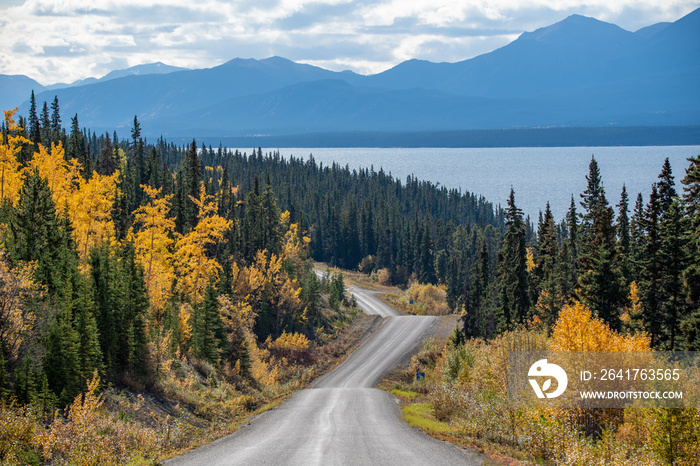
(61, 41)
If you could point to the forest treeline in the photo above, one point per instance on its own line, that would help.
(636, 268)
(112, 247)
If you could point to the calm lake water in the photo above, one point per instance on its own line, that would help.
(536, 174)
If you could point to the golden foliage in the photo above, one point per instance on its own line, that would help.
(291, 343)
(154, 242)
(62, 177)
(633, 312)
(529, 260)
(91, 211)
(185, 325)
(577, 330)
(89, 202)
(193, 263)
(10, 168)
(427, 299)
(293, 247)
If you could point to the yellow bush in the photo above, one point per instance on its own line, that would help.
(577, 330)
(291, 343)
(427, 300)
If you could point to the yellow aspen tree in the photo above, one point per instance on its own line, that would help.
(62, 177)
(194, 264)
(577, 330)
(90, 208)
(10, 168)
(154, 242)
(293, 246)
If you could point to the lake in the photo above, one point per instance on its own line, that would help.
(536, 174)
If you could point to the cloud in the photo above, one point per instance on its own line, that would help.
(72, 39)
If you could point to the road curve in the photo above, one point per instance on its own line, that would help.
(341, 419)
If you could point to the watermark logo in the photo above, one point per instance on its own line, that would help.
(541, 369)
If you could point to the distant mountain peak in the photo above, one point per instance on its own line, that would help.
(140, 70)
(576, 27)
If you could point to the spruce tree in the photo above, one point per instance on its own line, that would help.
(34, 125)
(601, 282)
(511, 271)
(691, 275)
(55, 121)
(651, 270)
(545, 279)
(190, 181)
(425, 263)
(572, 247)
(673, 260)
(623, 236)
(207, 327)
(667, 191)
(107, 162)
(45, 122)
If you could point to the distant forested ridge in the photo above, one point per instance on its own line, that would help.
(112, 247)
(526, 137)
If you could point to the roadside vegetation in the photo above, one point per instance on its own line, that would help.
(464, 399)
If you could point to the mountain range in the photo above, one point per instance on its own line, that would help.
(580, 72)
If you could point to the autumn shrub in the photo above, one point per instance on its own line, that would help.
(92, 436)
(447, 401)
(18, 428)
(294, 346)
(422, 299)
(382, 276)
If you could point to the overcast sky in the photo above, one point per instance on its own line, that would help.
(65, 40)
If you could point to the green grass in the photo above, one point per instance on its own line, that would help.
(404, 395)
(419, 415)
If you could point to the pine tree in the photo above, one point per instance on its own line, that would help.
(425, 258)
(667, 192)
(601, 282)
(691, 275)
(45, 122)
(55, 121)
(62, 360)
(191, 177)
(270, 219)
(623, 236)
(572, 243)
(206, 336)
(107, 162)
(35, 232)
(511, 271)
(636, 235)
(651, 270)
(545, 278)
(133, 306)
(673, 260)
(34, 125)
